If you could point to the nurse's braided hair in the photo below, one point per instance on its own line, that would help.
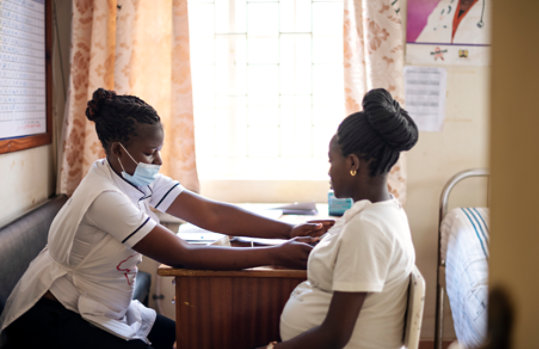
(115, 116)
(378, 133)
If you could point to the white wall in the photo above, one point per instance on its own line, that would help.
(462, 144)
(27, 180)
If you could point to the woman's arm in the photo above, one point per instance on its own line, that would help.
(232, 220)
(165, 247)
(337, 328)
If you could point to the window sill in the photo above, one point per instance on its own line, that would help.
(270, 191)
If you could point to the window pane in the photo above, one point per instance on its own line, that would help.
(263, 142)
(327, 18)
(263, 50)
(263, 81)
(296, 126)
(204, 25)
(263, 110)
(231, 74)
(263, 18)
(322, 137)
(295, 16)
(327, 113)
(327, 50)
(295, 63)
(231, 16)
(327, 82)
(230, 126)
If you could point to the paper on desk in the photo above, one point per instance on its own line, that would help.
(299, 208)
(261, 241)
(194, 234)
(191, 232)
(223, 241)
(266, 211)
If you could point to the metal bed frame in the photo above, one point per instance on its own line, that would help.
(440, 270)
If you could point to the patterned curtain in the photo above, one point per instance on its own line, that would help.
(135, 47)
(373, 58)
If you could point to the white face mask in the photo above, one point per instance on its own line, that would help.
(144, 173)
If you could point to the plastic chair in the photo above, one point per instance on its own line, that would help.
(414, 310)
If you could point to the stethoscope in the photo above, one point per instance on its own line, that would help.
(480, 24)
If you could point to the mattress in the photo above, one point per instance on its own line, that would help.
(465, 237)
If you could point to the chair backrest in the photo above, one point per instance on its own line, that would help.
(21, 241)
(414, 310)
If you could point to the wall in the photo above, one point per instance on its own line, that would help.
(27, 180)
(462, 144)
(28, 177)
(514, 233)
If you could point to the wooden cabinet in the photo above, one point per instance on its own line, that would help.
(230, 309)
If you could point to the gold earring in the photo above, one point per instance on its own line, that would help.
(353, 173)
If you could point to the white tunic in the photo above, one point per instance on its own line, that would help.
(368, 250)
(89, 264)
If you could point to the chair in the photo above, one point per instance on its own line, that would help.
(414, 310)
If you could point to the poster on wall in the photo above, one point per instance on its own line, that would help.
(448, 32)
(22, 61)
(424, 91)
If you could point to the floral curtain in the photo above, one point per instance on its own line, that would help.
(134, 47)
(373, 58)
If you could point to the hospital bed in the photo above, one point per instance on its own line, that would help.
(462, 271)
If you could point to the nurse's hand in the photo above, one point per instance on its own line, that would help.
(294, 253)
(312, 228)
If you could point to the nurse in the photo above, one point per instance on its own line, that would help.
(77, 292)
(358, 274)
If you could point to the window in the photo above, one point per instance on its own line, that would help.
(267, 87)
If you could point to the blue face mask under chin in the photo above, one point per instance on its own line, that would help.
(144, 173)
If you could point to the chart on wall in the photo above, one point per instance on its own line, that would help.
(23, 109)
(448, 32)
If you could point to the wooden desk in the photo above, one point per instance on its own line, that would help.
(230, 309)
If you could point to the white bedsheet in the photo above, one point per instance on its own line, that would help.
(465, 237)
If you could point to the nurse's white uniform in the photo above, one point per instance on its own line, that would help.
(89, 264)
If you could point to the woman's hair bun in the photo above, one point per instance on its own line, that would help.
(391, 122)
(94, 105)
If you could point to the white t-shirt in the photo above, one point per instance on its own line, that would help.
(89, 264)
(368, 250)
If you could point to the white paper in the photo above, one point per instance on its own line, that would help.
(193, 234)
(23, 102)
(424, 91)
